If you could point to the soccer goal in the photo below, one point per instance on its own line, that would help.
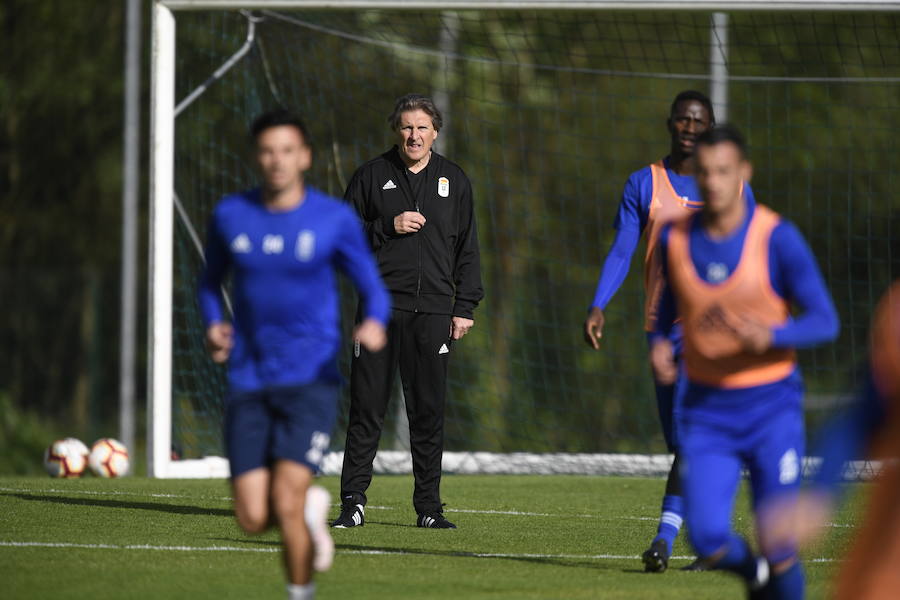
(549, 106)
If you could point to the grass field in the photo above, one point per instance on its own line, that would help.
(519, 537)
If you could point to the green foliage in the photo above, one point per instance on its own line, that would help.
(60, 147)
(540, 537)
(549, 112)
(23, 438)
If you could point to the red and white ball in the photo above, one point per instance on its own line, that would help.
(109, 458)
(66, 458)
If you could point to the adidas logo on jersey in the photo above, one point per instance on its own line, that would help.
(390, 185)
(444, 349)
(241, 244)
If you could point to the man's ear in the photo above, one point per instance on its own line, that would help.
(305, 159)
(746, 171)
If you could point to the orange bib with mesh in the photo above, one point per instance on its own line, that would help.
(713, 354)
(666, 206)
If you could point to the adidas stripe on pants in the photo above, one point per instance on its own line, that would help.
(419, 344)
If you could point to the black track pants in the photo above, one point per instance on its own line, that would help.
(420, 344)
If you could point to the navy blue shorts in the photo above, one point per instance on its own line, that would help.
(292, 423)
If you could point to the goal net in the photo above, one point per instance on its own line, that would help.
(548, 110)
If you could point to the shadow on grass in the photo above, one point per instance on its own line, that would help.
(543, 560)
(180, 509)
(389, 524)
(250, 541)
(387, 550)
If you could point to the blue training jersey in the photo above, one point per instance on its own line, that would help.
(630, 222)
(794, 276)
(284, 288)
(848, 435)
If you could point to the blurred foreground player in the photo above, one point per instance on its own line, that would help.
(283, 243)
(732, 272)
(872, 425)
(654, 196)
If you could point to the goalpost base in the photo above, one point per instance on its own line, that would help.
(399, 462)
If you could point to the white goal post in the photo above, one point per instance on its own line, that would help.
(165, 107)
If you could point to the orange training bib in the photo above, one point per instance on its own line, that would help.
(713, 354)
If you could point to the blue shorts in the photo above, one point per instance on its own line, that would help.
(767, 440)
(292, 423)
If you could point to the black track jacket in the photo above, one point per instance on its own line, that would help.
(436, 269)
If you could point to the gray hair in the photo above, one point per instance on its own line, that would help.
(411, 102)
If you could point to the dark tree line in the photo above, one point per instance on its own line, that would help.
(548, 113)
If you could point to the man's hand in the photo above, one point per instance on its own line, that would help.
(460, 326)
(662, 361)
(219, 340)
(409, 222)
(754, 336)
(593, 327)
(371, 334)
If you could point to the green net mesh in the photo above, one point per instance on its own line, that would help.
(548, 113)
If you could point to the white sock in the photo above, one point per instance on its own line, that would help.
(301, 592)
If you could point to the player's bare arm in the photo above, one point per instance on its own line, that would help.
(409, 221)
(219, 340)
(662, 361)
(593, 327)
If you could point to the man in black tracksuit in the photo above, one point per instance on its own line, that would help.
(417, 210)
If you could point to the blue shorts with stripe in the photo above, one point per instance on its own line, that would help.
(292, 423)
(723, 432)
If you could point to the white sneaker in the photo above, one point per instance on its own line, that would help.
(318, 501)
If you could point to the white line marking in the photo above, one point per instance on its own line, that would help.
(136, 547)
(377, 552)
(501, 512)
(111, 493)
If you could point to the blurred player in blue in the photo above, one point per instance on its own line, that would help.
(283, 243)
(653, 196)
(732, 273)
(869, 427)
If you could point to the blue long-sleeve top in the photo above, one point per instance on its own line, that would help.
(630, 223)
(794, 276)
(793, 273)
(284, 287)
(847, 436)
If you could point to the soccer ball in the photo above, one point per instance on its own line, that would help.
(66, 458)
(109, 458)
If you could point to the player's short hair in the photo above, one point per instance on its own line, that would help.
(416, 102)
(694, 95)
(721, 134)
(277, 118)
